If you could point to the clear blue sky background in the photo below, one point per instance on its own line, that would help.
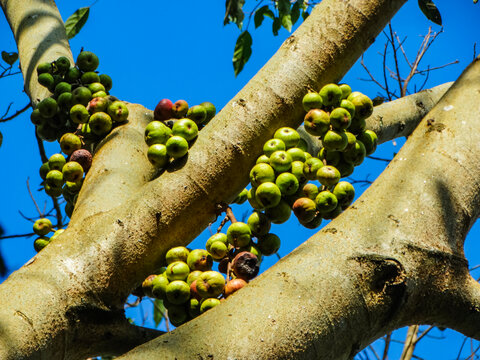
(181, 50)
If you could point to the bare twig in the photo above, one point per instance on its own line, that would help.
(253, 12)
(40, 214)
(372, 349)
(437, 67)
(134, 304)
(410, 342)
(18, 112)
(392, 43)
(372, 78)
(230, 215)
(17, 236)
(388, 338)
(58, 212)
(222, 224)
(474, 268)
(41, 148)
(423, 334)
(385, 80)
(379, 159)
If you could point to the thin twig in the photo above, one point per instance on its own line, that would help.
(33, 199)
(372, 78)
(58, 212)
(392, 42)
(437, 67)
(230, 215)
(253, 12)
(16, 236)
(41, 148)
(134, 304)
(222, 224)
(379, 159)
(31, 219)
(7, 111)
(374, 352)
(385, 72)
(474, 268)
(400, 46)
(388, 339)
(409, 346)
(18, 112)
(423, 334)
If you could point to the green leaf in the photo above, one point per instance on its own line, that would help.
(276, 26)
(430, 10)
(260, 15)
(9, 57)
(75, 22)
(234, 12)
(305, 15)
(158, 311)
(302, 4)
(287, 22)
(295, 13)
(283, 7)
(242, 52)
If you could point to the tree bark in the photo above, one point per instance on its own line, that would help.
(395, 258)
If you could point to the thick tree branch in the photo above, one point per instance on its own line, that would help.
(400, 117)
(397, 254)
(116, 237)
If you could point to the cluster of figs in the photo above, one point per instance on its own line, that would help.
(286, 178)
(174, 129)
(188, 286)
(79, 113)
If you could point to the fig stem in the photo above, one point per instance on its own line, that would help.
(222, 224)
(229, 268)
(230, 215)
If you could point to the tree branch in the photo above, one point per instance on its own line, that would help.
(123, 222)
(40, 36)
(390, 252)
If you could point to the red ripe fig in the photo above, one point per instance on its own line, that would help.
(147, 285)
(233, 285)
(98, 104)
(245, 265)
(193, 291)
(83, 157)
(180, 109)
(304, 209)
(163, 110)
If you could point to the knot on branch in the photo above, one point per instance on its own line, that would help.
(383, 273)
(384, 280)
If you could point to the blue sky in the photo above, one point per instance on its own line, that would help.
(181, 50)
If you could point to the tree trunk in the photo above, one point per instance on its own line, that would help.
(388, 261)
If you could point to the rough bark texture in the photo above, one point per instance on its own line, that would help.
(394, 258)
(127, 217)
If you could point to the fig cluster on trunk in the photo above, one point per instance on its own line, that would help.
(79, 113)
